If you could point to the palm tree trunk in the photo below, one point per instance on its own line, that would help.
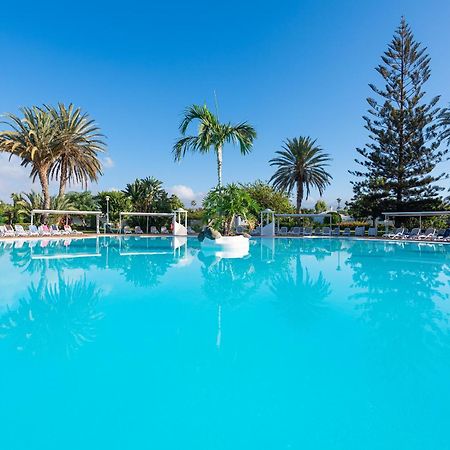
(299, 195)
(219, 166)
(62, 179)
(43, 178)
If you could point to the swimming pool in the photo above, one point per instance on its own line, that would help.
(147, 343)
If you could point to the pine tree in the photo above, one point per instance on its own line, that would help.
(398, 165)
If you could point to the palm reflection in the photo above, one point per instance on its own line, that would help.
(59, 317)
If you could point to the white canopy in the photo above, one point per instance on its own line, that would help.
(418, 214)
(178, 228)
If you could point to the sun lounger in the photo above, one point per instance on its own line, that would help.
(255, 232)
(68, 229)
(413, 234)
(445, 236)
(138, 230)
(336, 232)
(307, 231)
(154, 230)
(164, 230)
(44, 230)
(296, 231)
(429, 233)
(360, 231)
(283, 230)
(372, 232)
(55, 231)
(127, 230)
(397, 232)
(326, 231)
(9, 230)
(19, 230)
(318, 231)
(33, 231)
(346, 232)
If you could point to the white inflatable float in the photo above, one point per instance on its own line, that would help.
(227, 246)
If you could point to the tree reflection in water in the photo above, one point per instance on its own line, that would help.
(398, 290)
(58, 318)
(299, 295)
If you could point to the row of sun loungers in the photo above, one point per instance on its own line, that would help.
(153, 230)
(399, 233)
(324, 231)
(33, 230)
(430, 234)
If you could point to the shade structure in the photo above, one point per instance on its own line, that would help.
(418, 214)
(178, 229)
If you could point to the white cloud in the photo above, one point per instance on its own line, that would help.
(13, 177)
(108, 162)
(186, 194)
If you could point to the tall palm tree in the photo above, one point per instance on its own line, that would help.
(301, 163)
(33, 140)
(212, 135)
(79, 142)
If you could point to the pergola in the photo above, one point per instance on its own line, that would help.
(418, 214)
(302, 216)
(269, 217)
(67, 213)
(178, 228)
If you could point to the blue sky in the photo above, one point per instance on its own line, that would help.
(290, 68)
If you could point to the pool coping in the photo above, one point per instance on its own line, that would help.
(94, 236)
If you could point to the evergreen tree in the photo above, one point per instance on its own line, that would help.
(398, 165)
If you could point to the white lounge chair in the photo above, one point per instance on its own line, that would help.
(397, 232)
(69, 230)
(19, 230)
(164, 230)
(138, 230)
(9, 230)
(336, 232)
(154, 230)
(429, 233)
(127, 230)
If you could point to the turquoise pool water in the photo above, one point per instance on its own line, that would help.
(305, 344)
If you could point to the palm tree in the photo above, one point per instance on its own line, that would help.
(79, 142)
(212, 135)
(145, 193)
(301, 163)
(33, 140)
(26, 202)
